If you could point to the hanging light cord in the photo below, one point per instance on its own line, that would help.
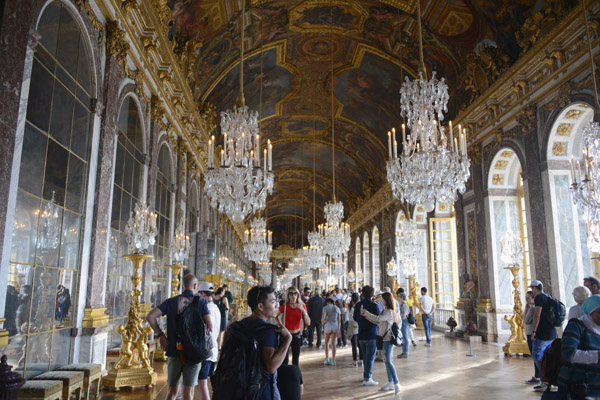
(332, 108)
(240, 99)
(589, 40)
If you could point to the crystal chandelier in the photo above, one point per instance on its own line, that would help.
(585, 188)
(408, 246)
(335, 234)
(313, 255)
(140, 230)
(512, 248)
(180, 245)
(264, 271)
(257, 241)
(432, 166)
(239, 185)
(351, 276)
(49, 225)
(391, 268)
(338, 267)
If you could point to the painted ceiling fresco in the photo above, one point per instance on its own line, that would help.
(291, 48)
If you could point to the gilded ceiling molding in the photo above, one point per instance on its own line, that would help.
(85, 5)
(143, 38)
(537, 75)
(371, 208)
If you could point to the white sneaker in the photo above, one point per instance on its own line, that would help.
(387, 386)
(427, 344)
(397, 388)
(370, 382)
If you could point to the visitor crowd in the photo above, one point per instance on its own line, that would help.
(282, 322)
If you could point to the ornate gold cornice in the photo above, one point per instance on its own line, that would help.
(541, 72)
(138, 36)
(371, 208)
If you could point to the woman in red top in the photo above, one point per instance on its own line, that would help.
(294, 312)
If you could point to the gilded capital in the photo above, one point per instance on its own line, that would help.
(117, 45)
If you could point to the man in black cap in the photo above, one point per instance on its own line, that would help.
(544, 332)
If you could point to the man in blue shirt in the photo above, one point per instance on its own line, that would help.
(171, 308)
(263, 304)
(367, 334)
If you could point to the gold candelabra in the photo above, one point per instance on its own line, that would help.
(517, 342)
(133, 367)
(176, 269)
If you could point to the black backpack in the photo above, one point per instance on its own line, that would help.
(396, 335)
(556, 311)
(239, 373)
(196, 344)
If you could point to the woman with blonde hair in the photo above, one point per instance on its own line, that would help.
(385, 320)
(580, 294)
(294, 314)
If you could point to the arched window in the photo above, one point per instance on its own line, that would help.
(376, 263)
(568, 233)
(127, 191)
(366, 260)
(51, 197)
(507, 212)
(163, 206)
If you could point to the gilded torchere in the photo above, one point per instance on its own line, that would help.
(133, 367)
(512, 253)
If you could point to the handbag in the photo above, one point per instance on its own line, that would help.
(396, 335)
(411, 319)
(379, 342)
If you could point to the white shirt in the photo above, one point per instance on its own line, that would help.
(426, 304)
(215, 314)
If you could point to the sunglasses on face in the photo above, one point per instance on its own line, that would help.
(293, 294)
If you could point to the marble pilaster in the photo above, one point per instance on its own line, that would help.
(103, 188)
(152, 167)
(17, 44)
(536, 213)
(480, 231)
(461, 251)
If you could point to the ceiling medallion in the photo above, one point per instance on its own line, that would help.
(432, 167)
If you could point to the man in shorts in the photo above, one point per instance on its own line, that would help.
(171, 308)
(205, 291)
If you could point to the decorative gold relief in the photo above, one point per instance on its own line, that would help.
(564, 129)
(573, 114)
(500, 164)
(129, 5)
(527, 118)
(3, 335)
(506, 154)
(498, 179)
(419, 218)
(443, 207)
(117, 45)
(420, 209)
(85, 4)
(559, 148)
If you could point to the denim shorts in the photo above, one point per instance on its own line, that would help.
(207, 369)
(330, 327)
(175, 369)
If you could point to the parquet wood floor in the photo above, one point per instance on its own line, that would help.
(430, 373)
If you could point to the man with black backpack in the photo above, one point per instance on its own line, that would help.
(251, 354)
(176, 363)
(544, 331)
